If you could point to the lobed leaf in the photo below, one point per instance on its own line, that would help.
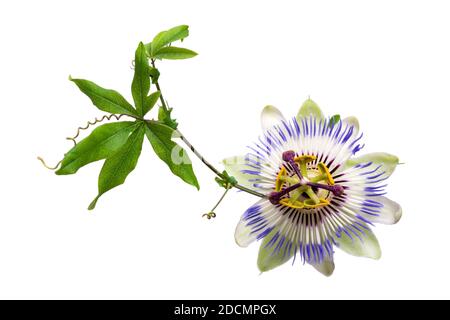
(105, 99)
(160, 137)
(117, 167)
(102, 143)
(140, 86)
(150, 102)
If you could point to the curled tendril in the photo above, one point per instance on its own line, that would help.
(79, 129)
(209, 215)
(91, 123)
(47, 166)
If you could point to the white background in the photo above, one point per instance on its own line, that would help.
(387, 62)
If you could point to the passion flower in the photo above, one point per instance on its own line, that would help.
(318, 196)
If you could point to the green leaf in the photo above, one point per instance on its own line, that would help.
(333, 120)
(148, 48)
(154, 74)
(165, 117)
(117, 167)
(175, 53)
(163, 38)
(150, 102)
(141, 81)
(103, 142)
(160, 137)
(106, 100)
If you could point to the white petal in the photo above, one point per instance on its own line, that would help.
(390, 213)
(367, 247)
(352, 121)
(234, 167)
(271, 116)
(244, 234)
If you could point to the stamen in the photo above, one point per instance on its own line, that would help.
(303, 184)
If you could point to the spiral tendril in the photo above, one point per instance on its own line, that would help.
(79, 129)
(92, 123)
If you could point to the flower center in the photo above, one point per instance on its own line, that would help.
(302, 184)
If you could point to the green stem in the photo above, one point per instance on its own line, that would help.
(161, 98)
(221, 198)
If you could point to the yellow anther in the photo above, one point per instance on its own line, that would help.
(302, 161)
(324, 170)
(280, 180)
(305, 158)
